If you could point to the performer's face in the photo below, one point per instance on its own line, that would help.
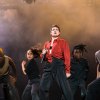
(77, 53)
(54, 32)
(29, 55)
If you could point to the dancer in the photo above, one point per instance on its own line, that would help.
(79, 70)
(30, 68)
(93, 90)
(56, 53)
(8, 77)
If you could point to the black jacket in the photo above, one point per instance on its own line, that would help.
(79, 68)
(32, 69)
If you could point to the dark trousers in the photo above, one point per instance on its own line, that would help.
(10, 91)
(31, 91)
(75, 84)
(93, 90)
(55, 71)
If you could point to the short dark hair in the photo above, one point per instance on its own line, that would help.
(80, 47)
(55, 26)
(35, 52)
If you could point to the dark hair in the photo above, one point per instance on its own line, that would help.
(35, 52)
(55, 26)
(80, 47)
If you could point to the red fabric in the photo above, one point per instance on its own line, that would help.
(60, 50)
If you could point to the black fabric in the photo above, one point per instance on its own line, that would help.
(31, 90)
(32, 70)
(4, 79)
(40, 65)
(93, 90)
(79, 69)
(10, 92)
(55, 71)
(79, 74)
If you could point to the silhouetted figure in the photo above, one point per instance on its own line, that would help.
(8, 77)
(31, 69)
(79, 70)
(93, 90)
(57, 57)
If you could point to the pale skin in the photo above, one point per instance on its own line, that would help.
(29, 56)
(55, 33)
(23, 67)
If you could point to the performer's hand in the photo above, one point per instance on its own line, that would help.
(68, 75)
(44, 51)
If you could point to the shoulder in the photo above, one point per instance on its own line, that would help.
(47, 42)
(7, 57)
(32, 61)
(72, 60)
(63, 40)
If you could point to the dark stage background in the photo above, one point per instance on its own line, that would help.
(23, 25)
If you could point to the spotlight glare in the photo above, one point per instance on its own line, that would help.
(29, 1)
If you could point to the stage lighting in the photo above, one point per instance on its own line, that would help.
(29, 1)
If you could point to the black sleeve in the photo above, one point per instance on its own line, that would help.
(87, 66)
(86, 69)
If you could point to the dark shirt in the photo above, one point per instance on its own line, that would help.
(79, 68)
(32, 70)
(60, 50)
(40, 65)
